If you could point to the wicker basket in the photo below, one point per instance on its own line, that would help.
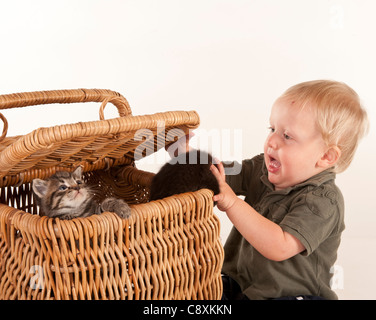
(167, 249)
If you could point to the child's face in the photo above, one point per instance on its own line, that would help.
(293, 146)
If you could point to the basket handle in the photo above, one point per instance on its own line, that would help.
(5, 128)
(115, 101)
(18, 100)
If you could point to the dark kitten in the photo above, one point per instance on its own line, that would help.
(185, 173)
(66, 196)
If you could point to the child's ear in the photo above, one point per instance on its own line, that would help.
(330, 157)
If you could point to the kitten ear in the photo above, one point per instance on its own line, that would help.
(40, 187)
(77, 173)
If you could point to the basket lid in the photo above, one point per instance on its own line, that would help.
(93, 144)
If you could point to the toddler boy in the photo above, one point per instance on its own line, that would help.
(287, 230)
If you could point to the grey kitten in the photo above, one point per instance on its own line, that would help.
(66, 196)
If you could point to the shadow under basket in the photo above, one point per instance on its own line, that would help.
(167, 249)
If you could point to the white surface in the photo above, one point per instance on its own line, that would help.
(229, 60)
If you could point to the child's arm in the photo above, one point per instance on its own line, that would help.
(265, 236)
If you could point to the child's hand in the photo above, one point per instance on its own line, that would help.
(226, 197)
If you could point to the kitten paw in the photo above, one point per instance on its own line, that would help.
(119, 206)
(124, 211)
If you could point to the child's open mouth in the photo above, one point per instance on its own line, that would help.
(274, 165)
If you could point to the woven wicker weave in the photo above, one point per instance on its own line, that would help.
(167, 249)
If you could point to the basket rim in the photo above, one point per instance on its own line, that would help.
(52, 228)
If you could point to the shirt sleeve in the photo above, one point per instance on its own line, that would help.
(314, 218)
(241, 181)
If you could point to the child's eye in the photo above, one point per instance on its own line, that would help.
(271, 129)
(287, 137)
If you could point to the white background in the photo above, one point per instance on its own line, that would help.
(228, 60)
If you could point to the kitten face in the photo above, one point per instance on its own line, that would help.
(69, 193)
(63, 194)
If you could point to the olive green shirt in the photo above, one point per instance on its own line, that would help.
(312, 211)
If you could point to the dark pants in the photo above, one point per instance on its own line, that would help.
(232, 291)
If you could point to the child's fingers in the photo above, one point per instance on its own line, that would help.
(214, 171)
(217, 197)
(221, 169)
(217, 173)
(216, 160)
(219, 166)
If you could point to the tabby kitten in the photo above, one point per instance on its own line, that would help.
(66, 196)
(185, 173)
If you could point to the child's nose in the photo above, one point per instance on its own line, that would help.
(273, 141)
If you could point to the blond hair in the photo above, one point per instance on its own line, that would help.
(340, 117)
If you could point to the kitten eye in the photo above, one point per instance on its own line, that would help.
(63, 187)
